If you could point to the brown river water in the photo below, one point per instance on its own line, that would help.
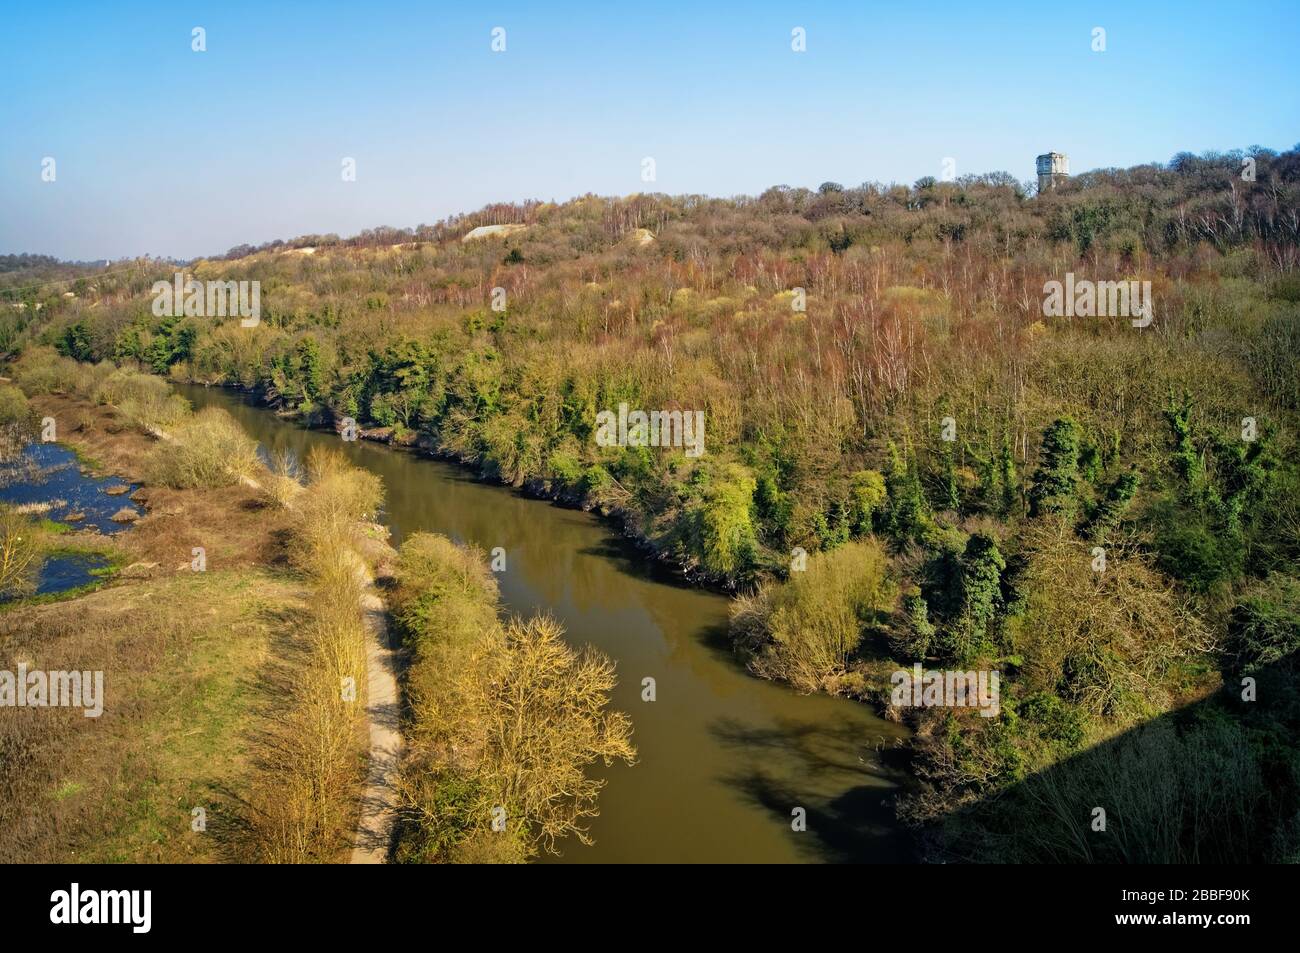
(723, 757)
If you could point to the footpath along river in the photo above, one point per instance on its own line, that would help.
(723, 757)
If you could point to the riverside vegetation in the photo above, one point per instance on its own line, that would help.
(502, 713)
(504, 717)
(833, 338)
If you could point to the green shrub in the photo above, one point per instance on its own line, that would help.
(1054, 720)
(807, 629)
(41, 371)
(444, 593)
(867, 497)
(1056, 480)
(722, 528)
(143, 399)
(1265, 624)
(1192, 552)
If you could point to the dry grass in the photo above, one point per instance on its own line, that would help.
(240, 690)
(232, 523)
(209, 449)
(98, 432)
(282, 485)
(180, 657)
(312, 761)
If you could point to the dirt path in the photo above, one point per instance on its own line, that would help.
(375, 825)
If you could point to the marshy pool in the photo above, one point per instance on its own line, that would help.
(48, 482)
(63, 571)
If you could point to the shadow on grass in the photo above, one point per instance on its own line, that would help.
(1213, 782)
(246, 823)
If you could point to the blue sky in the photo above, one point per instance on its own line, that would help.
(162, 150)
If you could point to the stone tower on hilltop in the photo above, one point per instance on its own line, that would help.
(1053, 169)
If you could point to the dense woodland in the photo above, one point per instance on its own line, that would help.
(824, 436)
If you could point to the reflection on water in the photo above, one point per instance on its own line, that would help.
(50, 474)
(65, 571)
(723, 757)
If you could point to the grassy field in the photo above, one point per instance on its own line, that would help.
(181, 657)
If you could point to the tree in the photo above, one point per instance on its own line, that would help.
(949, 492)
(309, 369)
(982, 565)
(74, 342)
(546, 723)
(808, 628)
(1102, 641)
(918, 630)
(1007, 473)
(1115, 503)
(1243, 472)
(723, 528)
(1264, 627)
(18, 553)
(1055, 482)
(908, 513)
(867, 497)
(506, 720)
(1186, 459)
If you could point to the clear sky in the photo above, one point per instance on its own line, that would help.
(166, 151)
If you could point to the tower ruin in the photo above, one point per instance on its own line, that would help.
(1053, 169)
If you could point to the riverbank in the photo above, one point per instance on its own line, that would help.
(724, 757)
(538, 488)
(158, 775)
(866, 681)
(190, 640)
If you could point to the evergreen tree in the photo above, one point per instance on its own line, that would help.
(907, 508)
(1056, 481)
(981, 589)
(1007, 473)
(1114, 503)
(310, 373)
(949, 493)
(921, 629)
(1187, 461)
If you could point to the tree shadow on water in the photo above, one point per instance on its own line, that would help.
(835, 774)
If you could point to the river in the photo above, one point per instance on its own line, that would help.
(723, 758)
